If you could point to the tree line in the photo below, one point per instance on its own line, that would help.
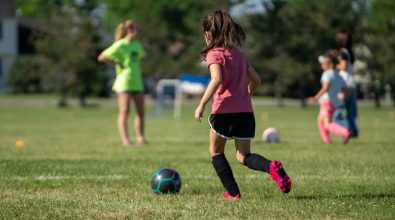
(283, 42)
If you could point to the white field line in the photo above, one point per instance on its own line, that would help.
(205, 177)
(82, 177)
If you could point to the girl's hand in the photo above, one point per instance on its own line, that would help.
(311, 100)
(341, 95)
(199, 113)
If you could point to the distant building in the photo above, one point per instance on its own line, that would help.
(8, 39)
(15, 34)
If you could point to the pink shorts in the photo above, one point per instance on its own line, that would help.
(326, 109)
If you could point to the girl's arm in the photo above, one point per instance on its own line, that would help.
(324, 88)
(111, 55)
(103, 59)
(342, 65)
(343, 94)
(255, 80)
(215, 72)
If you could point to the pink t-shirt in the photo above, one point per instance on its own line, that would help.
(232, 95)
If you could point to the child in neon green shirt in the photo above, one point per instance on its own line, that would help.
(126, 53)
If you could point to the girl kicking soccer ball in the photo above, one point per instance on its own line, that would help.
(126, 53)
(233, 81)
(330, 97)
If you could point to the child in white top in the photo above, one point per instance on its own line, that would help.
(330, 97)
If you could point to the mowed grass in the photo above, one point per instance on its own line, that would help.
(69, 163)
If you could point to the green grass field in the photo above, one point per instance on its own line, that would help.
(69, 164)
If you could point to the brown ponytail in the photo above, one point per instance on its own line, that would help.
(222, 31)
(333, 56)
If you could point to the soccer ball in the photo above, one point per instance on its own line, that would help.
(271, 135)
(166, 180)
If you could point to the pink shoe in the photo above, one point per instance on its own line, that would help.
(279, 175)
(231, 198)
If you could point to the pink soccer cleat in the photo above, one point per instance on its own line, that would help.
(279, 175)
(231, 198)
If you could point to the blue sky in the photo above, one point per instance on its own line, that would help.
(248, 7)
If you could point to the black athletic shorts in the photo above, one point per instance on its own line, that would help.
(233, 125)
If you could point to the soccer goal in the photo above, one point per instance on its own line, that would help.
(175, 88)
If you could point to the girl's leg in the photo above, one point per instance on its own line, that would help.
(323, 130)
(123, 112)
(252, 161)
(339, 131)
(217, 144)
(336, 129)
(257, 162)
(323, 119)
(221, 165)
(352, 115)
(139, 118)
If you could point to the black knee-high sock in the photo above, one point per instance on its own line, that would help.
(257, 162)
(225, 173)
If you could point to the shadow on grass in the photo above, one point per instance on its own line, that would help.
(352, 196)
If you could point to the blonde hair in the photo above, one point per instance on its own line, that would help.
(123, 27)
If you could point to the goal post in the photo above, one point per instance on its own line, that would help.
(160, 96)
(189, 84)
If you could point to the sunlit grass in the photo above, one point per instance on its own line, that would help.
(68, 163)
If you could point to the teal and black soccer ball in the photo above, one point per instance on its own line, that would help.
(166, 180)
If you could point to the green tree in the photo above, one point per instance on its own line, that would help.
(68, 40)
(285, 41)
(170, 31)
(27, 73)
(382, 42)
